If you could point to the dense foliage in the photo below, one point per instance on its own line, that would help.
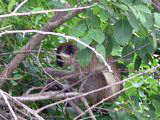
(127, 29)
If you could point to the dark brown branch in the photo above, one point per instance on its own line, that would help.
(156, 5)
(55, 22)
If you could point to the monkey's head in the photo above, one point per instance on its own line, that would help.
(65, 54)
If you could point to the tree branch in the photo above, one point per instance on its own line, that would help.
(55, 22)
(156, 5)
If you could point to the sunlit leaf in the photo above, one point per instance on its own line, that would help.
(12, 3)
(138, 84)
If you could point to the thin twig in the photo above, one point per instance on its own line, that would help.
(61, 35)
(96, 90)
(19, 6)
(19, 52)
(9, 106)
(24, 106)
(90, 108)
(44, 11)
(31, 89)
(46, 96)
(87, 106)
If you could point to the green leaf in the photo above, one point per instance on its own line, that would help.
(121, 6)
(143, 46)
(141, 17)
(18, 76)
(135, 100)
(152, 114)
(157, 18)
(143, 32)
(86, 39)
(146, 59)
(93, 21)
(101, 49)
(128, 2)
(11, 4)
(96, 10)
(137, 63)
(131, 91)
(156, 105)
(54, 3)
(149, 21)
(141, 116)
(117, 49)
(37, 19)
(134, 11)
(123, 115)
(72, 2)
(144, 15)
(141, 51)
(154, 40)
(37, 9)
(13, 82)
(79, 30)
(97, 35)
(142, 8)
(104, 15)
(20, 37)
(150, 49)
(141, 93)
(138, 84)
(127, 54)
(84, 57)
(122, 32)
(109, 46)
(133, 21)
(146, 1)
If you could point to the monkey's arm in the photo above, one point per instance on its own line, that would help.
(56, 73)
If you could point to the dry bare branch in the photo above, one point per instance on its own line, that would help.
(19, 6)
(90, 108)
(45, 11)
(8, 104)
(55, 22)
(87, 106)
(29, 110)
(96, 90)
(45, 96)
(61, 35)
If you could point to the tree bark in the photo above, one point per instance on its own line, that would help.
(55, 22)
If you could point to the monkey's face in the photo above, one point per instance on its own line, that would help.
(66, 54)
